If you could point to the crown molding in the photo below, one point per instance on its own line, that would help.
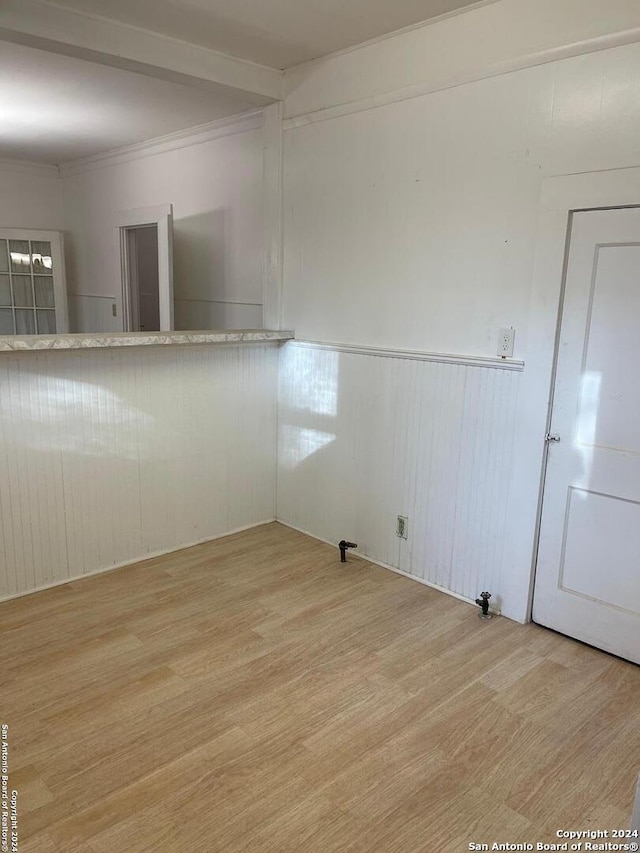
(419, 25)
(29, 167)
(162, 144)
(543, 57)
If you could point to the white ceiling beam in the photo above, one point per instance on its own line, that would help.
(108, 42)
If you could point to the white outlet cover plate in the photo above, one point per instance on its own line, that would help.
(403, 522)
(506, 339)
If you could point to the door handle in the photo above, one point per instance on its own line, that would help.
(551, 436)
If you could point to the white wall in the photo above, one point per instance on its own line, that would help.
(216, 191)
(365, 438)
(412, 225)
(479, 42)
(30, 197)
(108, 456)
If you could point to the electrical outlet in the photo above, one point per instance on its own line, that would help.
(402, 527)
(506, 339)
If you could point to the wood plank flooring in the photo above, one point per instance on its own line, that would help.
(254, 694)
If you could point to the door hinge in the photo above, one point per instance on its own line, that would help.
(551, 436)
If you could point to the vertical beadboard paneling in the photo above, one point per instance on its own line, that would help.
(93, 313)
(107, 456)
(364, 438)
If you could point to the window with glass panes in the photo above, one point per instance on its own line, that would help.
(27, 299)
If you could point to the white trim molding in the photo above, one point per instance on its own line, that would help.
(94, 296)
(100, 39)
(218, 301)
(531, 60)
(141, 215)
(162, 144)
(29, 167)
(413, 355)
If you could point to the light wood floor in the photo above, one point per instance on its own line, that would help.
(255, 694)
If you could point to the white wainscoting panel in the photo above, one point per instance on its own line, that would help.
(93, 313)
(109, 456)
(364, 438)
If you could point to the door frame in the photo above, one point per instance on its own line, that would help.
(560, 197)
(162, 217)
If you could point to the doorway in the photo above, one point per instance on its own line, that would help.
(588, 568)
(142, 267)
(145, 237)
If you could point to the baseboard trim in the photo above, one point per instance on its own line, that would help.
(363, 556)
(163, 552)
(151, 556)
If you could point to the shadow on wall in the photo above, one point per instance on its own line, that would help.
(199, 266)
(210, 292)
(199, 255)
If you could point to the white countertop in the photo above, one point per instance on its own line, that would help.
(32, 343)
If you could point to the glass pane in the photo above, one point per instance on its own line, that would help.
(25, 322)
(44, 291)
(6, 321)
(22, 293)
(5, 290)
(41, 254)
(4, 257)
(46, 322)
(20, 258)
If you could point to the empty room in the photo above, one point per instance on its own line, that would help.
(319, 462)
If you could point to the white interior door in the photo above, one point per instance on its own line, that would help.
(162, 218)
(588, 570)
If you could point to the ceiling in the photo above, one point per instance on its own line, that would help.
(56, 108)
(278, 33)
